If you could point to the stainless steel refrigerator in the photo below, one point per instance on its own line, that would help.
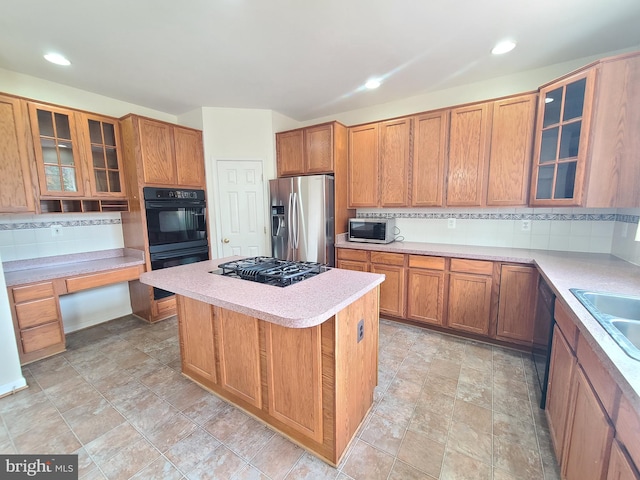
(302, 218)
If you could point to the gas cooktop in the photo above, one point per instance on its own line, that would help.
(270, 271)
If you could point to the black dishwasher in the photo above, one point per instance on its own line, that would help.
(542, 336)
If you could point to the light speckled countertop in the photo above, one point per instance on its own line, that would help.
(19, 272)
(301, 305)
(562, 270)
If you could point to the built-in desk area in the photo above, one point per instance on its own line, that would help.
(35, 285)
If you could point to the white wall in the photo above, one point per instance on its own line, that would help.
(624, 236)
(10, 372)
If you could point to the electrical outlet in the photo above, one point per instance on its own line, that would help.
(360, 330)
(526, 225)
(56, 230)
(451, 223)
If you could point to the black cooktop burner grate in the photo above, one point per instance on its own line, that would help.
(271, 271)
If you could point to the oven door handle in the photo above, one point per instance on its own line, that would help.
(178, 253)
(158, 204)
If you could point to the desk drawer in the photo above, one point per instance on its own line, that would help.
(34, 313)
(41, 337)
(85, 282)
(33, 292)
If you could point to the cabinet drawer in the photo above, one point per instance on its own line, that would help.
(387, 258)
(41, 337)
(569, 329)
(94, 280)
(480, 267)
(432, 263)
(599, 378)
(627, 428)
(37, 312)
(33, 292)
(348, 254)
(166, 306)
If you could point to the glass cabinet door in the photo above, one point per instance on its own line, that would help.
(561, 141)
(56, 148)
(104, 156)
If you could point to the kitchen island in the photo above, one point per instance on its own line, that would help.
(303, 358)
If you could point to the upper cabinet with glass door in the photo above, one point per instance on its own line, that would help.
(561, 141)
(103, 151)
(57, 149)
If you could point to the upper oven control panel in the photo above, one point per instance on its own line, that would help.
(152, 193)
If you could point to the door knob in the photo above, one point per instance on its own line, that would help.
(226, 240)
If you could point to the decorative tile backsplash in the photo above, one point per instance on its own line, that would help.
(63, 223)
(592, 217)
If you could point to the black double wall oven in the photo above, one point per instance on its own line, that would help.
(176, 228)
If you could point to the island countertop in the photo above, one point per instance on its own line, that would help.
(301, 305)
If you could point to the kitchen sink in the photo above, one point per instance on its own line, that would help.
(619, 315)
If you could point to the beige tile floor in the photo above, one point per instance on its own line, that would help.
(445, 408)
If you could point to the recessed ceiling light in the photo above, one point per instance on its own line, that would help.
(372, 84)
(57, 59)
(503, 47)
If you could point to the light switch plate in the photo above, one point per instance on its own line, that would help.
(526, 225)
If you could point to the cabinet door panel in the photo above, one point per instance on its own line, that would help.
(561, 369)
(295, 353)
(104, 156)
(41, 337)
(620, 465)
(363, 166)
(157, 153)
(425, 299)
(468, 155)
(394, 163)
(290, 152)
(469, 302)
(391, 290)
(511, 145)
(239, 367)
(197, 344)
(319, 149)
(516, 308)
(429, 155)
(37, 312)
(189, 157)
(16, 188)
(589, 434)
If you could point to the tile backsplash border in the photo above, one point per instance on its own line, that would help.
(593, 217)
(18, 225)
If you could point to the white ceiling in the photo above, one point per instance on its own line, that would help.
(303, 58)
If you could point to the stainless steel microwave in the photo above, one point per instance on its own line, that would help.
(371, 230)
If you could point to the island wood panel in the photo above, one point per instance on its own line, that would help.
(426, 292)
(363, 166)
(318, 142)
(517, 303)
(356, 372)
(156, 152)
(395, 136)
(469, 307)
(429, 158)
(588, 434)
(294, 353)
(468, 155)
(561, 368)
(620, 465)
(239, 354)
(16, 185)
(189, 157)
(511, 150)
(290, 152)
(197, 342)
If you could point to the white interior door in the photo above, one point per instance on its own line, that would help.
(242, 210)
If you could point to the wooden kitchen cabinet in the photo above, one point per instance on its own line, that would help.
(429, 158)
(627, 428)
(58, 150)
(394, 162)
(468, 159)
(311, 150)
(517, 303)
(563, 363)
(588, 436)
(166, 155)
(470, 289)
(585, 150)
(426, 289)
(319, 149)
(349, 259)
(16, 184)
(511, 150)
(620, 465)
(290, 153)
(363, 166)
(392, 290)
(37, 321)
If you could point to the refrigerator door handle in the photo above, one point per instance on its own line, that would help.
(290, 226)
(296, 220)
